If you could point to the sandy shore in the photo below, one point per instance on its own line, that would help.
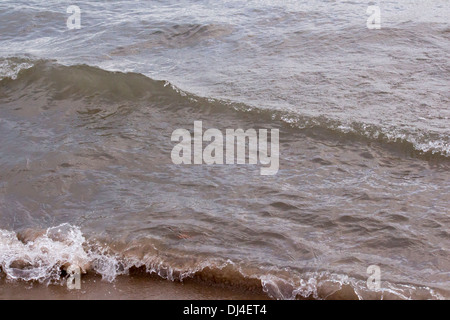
(125, 287)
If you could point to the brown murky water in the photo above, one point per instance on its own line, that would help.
(86, 176)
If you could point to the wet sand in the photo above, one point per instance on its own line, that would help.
(134, 287)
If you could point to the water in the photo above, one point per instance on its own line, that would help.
(86, 118)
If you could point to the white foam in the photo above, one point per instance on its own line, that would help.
(11, 69)
(43, 258)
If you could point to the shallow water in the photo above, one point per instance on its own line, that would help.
(86, 118)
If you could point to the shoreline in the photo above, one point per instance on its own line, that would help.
(129, 287)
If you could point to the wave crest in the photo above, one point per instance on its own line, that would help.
(95, 86)
(10, 68)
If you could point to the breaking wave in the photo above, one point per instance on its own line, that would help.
(44, 255)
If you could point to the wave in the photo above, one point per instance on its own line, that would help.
(44, 255)
(89, 83)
